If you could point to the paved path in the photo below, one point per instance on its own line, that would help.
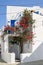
(28, 63)
(33, 63)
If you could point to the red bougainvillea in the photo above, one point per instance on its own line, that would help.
(26, 23)
(9, 28)
(29, 37)
(23, 23)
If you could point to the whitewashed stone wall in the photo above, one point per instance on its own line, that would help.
(5, 55)
(37, 48)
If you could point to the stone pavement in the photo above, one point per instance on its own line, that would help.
(28, 63)
(40, 62)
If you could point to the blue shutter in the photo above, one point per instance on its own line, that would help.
(12, 23)
(37, 12)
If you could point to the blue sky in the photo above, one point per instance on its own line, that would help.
(29, 3)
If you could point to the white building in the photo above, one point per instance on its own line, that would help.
(30, 52)
(1, 32)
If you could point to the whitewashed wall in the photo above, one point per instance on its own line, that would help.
(5, 55)
(37, 48)
(12, 11)
(8, 57)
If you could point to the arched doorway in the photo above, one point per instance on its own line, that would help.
(15, 46)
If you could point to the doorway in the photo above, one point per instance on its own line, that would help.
(15, 46)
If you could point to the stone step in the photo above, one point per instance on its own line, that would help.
(17, 60)
(16, 63)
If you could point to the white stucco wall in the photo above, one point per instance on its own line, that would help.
(27, 47)
(37, 48)
(8, 57)
(12, 11)
(5, 55)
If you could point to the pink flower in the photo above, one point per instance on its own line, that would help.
(28, 37)
(17, 22)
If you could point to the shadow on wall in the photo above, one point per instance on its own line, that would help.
(36, 55)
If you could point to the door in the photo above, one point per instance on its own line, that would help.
(15, 49)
